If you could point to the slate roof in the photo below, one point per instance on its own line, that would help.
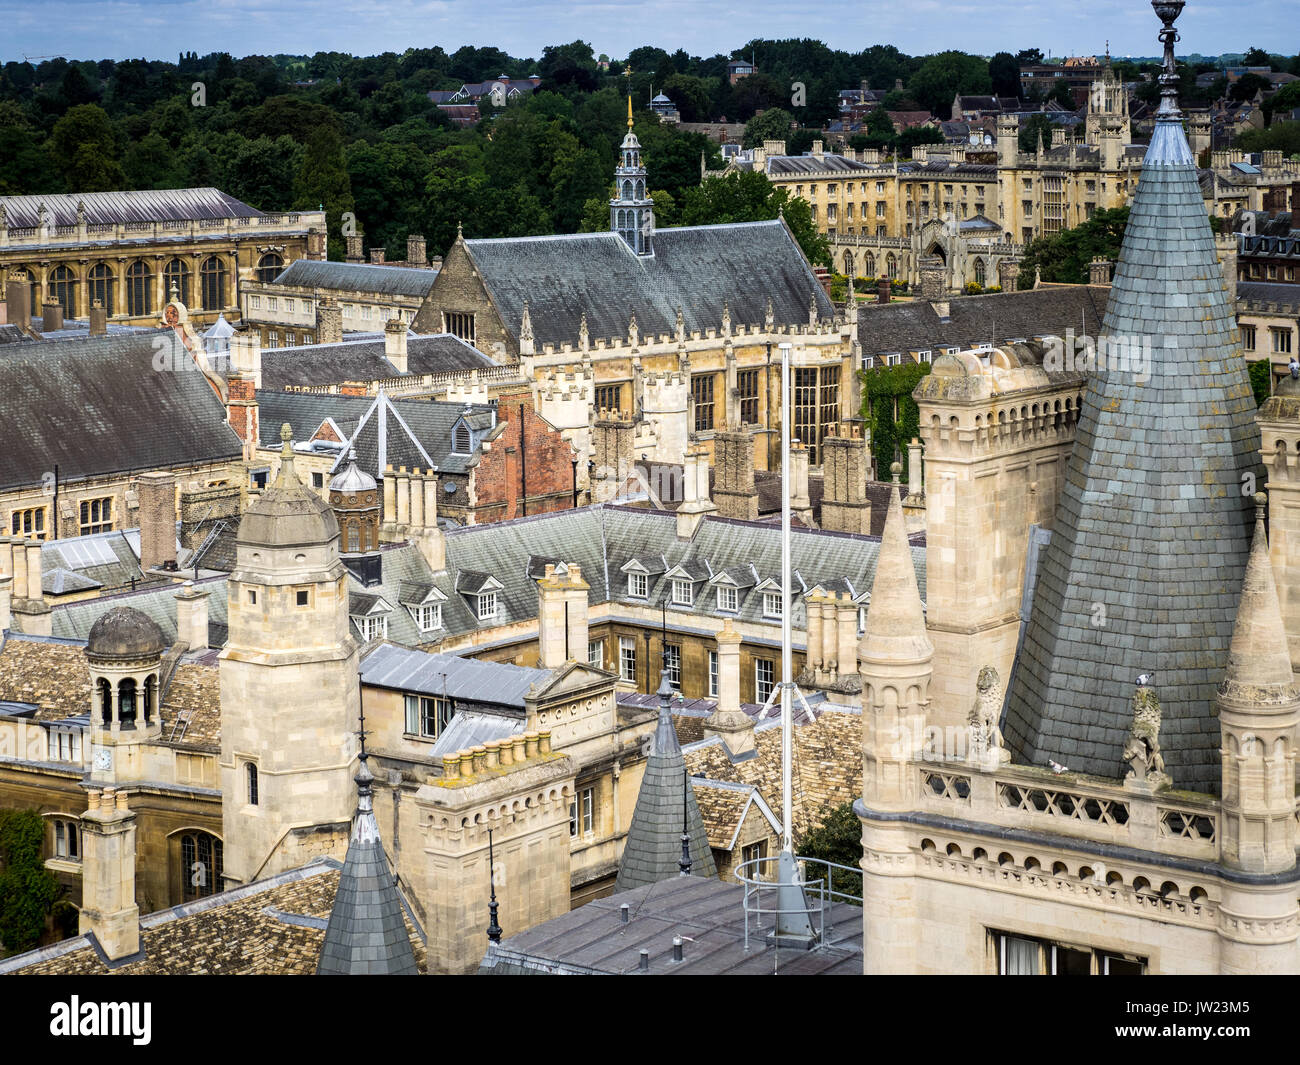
(366, 934)
(695, 268)
(1253, 295)
(271, 927)
(665, 805)
(74, 620)
(97, 407)
(1152, 526)
(470, 679)
(137, 205)
(814, 164)
(377, 278)
(99, 560)
(365, 361)
(994, 318)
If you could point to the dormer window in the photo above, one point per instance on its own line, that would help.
(728, 599)
(427, 617)
(487, 606)
(683, 593)
(372, 628)
(460, 439)
(772, 605)
(638, 585)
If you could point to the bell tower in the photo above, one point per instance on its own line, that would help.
(631, 211)
(289, 686)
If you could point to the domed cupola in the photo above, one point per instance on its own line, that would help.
(124, 653)
(357, 505)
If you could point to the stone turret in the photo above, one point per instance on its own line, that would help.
(108, 907)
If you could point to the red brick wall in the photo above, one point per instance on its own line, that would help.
(547, 467)
(241, 411)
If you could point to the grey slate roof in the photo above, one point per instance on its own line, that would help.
(358, 277)
(812, 164)
(665, 803)
(696, 268)
(366, 934)
(469, 679)
(97, 406)
(136, 205)
(365, 361)
(107, 560)
(972, 320)
(1152, 526)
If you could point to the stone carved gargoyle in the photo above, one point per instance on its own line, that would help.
(1142, 750)
(986, 744)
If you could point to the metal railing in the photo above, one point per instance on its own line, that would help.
(819, 893)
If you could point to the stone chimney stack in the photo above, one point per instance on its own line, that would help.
(246, 355)
(562, 616)
(354, 254)
(98, 319)
(932, 278)
(377, 256)
(728, 721)
(1226, 246)
(611, 440)
(51, 316)
(108, 905)
(846, 466)
(29, 613)
(1099, 271)
(329, 317)
(1009, 274)
(416, 254)
(6, 602)
(1058, 136)
(192, 616)
(395, 343)
(410, 512)
(800, 501)
(157, 493)
(696, 502)
(733, 489)
(883, 290)
(18, 298)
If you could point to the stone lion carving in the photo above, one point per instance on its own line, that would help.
(1142, 750)
(986, 743)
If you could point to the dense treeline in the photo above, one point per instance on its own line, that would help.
(359, 134)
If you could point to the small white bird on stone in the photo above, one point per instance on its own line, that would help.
(1145, 679)
(1057, 767)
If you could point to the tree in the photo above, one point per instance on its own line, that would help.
(83, 148)
(837, 839)
(322, 180)
(1036, 126)
(945, 75)
(689, 95)
(1285, 100)
(150, 164)
(771, 125)
(1062, 94)
(1064, 257)
(27, 889)
(910, 138)
(748, 196)
(1256, 57)
(569, 67)
(1280, 136)
(1030, 57)
(877, 132)
(1004, 73)
(1246, 86)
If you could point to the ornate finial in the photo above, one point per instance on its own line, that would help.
(726, 317)
(1142, 750)
(896, 470)
(1167, 11)
(627, 73)
(584, 333)
(680, 326)
(526, 325)
(1261, 503)
(632, 332)
(494, 928)
(175, 292)
(769, 316)
(459, 233)
(286, 435)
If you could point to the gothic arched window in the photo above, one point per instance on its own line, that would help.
(126, 695)
(176, 274)
(101, 286)
(891, 268)
(201, 865)
(252, 783)
(105, 701)
(212, 281)
(869, 265)
(627, 190)
(139, 289)
(848, 264)
(63, 289)
(269, 267)
(640, 190)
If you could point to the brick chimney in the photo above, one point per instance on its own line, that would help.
(1099, 272)
(242, 411)
(51, 316)
(415, 250)
(1009, 274)
(329, 318)
(846, 468)
(883, 289)
(377, 256)
(733, 488)
(98, 320)
(18, 298)
(157, 493)
(395, 343)
(108, 847)
(354, 254)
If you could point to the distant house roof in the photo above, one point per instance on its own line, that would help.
(97, 406)
(358, 277)
(365, 361)
(694, 268)
(158, 205)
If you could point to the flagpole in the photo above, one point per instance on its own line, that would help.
(787, 710)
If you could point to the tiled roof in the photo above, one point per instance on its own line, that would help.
(271, 927)
(694, 268)
(1152, 531)
(137, 205)
(724, 808)
(365, 361)
(375, 278)
(98, 406)
(812, 164)
(470, 679)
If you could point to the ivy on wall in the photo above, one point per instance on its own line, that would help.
(891, 412)
(1260, 372)
(27, 889)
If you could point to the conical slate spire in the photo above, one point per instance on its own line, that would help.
(895, 630)
(1152, 529)
(654, 838)
(366, 934)
(1259, 667)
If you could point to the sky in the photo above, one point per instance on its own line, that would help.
(161, 29)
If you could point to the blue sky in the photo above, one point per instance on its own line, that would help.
(119, 29)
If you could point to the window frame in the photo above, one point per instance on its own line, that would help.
(732, 594)
(637, 581)
(627, 658)
(768, 666)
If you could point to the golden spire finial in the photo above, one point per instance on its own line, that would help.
(627, 73)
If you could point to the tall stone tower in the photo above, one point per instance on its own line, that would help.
(631, 211)
(289, 686)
